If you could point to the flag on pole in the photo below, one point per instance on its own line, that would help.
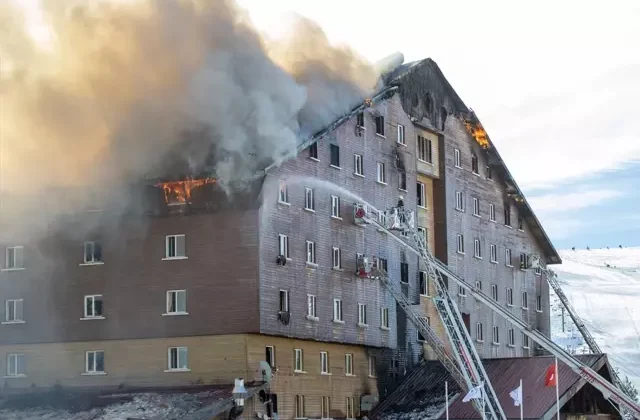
(551, 377)
(516, 394)
(474, 394)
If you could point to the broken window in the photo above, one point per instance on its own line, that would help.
(175, 246)
(421, 338)
(402, 180)
(428, 102)
(380, 125)
(335, 156)
(382, 264)
(404, 272)
(92, 252)
(507, 216)
(313, 151)
(474, 164)
(489, 173)
(520, 223)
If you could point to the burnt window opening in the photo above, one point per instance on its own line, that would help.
(380, 125)
(272, 406)
(360, 120)
(507, 215)
(415, 100)
(335, 155)
(404, 272)
(313, 151)
(402, 180)
(428, 104)
(443, 118)
(92, 252)
(520, 223)
(474, 164)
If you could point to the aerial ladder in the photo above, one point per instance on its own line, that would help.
(401, 219)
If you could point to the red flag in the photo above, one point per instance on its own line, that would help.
(551, 377)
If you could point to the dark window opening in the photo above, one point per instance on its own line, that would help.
(335, 155)
(404, 272)
(313, 151)
(270, 356)
(380, 125)
(474, 164)
(272, 406)
(520, 223)
(466, 318)
(489, 173)
(443, 118)
(402, 180)
(428, 102)
(360, 120)
(507, 216)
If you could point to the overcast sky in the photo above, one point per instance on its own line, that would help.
(556, 84)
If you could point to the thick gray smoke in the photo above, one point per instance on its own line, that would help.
(124, 88)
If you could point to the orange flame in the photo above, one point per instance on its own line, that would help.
(180, 191)
(477, 131)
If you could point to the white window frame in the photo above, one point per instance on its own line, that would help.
(325, 407)
(372, 366)
(495, 335)
(460, 243)
(337, 311)
(312, 307)
(509, 296)
(459, 201)
(283, 193)
(283, 245)
(401, 138)
(362, 315)
(299, 407)
(93, 307)
(494, 253)
(285, 293)
(324, 363)
(17, 312)
(525, 300)
(523, 261)
(538, 303)
(350, 408)
(167, 247)
(422, 196)
(507, 257)
(93, 370)
(479, 285)
(13, 360)
(18, 250)
(476, 207)
(310, 252)
(335, 207)
(494, 292)
(336, 258)
(93, 260)
(511, 334)
(525, 341)
(174, 294)
(381, 173)
(309, 201)
(384, 318)
(477, 249)
(457, 159)
(358, 166)
(180, 350)
(492, 212)
(272, 358)
(298, 361)
(462, 291)
(348, 364)
(479, 332)
(425, 150)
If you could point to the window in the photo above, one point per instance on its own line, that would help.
(382, 176)
(512, 337)
(13, 310)
(477, 250)
(358, 169)
(335, 155)
(313, 151)
(311, 306)
(175, 246)
(177, 302)
(309, 202)
(494, 292)
(459, 201)
(421, 196)
(311, 252)
(178, 358)
(457, 161)
(525, 300)
(14, 257)
(424, 284)
(402, 180)
(492, 212)
(283, 245)
(270, 355)
(489, 173)
(94, 361)
(335, 206)
(350, 408)
(300, 411)
(474, 164)
(324, 362)
(423, 235)
(479, 285)
(362, 314)
(424, 150)
(509, 296)
(539, 303)
(93, 306)
(507, 216)
(360, 120)
(520, 223)
(404, 272)
(336, 258)
(476, 207)
(401, 134)
(380, 125)
(348, 364)
(298, 358)
(421, 338)
(372, 366)
(283, 193)
(538, 271)
(479, 332)
(92, 252)
(382, 264)
(460, 240)
(284, 301)
(523, 261)
(494, 253)
(382, 219)
(525, 341)
(337, 310)
(462, 291)
(384, 317)
(325, 408)
(496, 335)
(507, 257)
(15, 365)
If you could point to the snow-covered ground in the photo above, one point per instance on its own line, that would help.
(603, 286)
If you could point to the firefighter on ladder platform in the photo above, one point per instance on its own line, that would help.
(400, 207)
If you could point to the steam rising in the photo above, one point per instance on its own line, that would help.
(127, 87)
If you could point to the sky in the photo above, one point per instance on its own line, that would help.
(556, 85)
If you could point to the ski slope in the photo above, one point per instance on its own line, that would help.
(607, 298)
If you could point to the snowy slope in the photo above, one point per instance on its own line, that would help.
(607, 299)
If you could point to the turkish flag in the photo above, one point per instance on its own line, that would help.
(551, 377)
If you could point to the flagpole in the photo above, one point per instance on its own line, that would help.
(521, 401)
(557, 390)
(446, 398)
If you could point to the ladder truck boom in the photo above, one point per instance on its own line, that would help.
(608, 390)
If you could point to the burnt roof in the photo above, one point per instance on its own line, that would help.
(425, 387)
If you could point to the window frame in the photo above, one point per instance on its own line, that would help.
(93, 307)
(324, 363)
(16, 365)
(457, 159)
(507, 257)
(401, 135)
(493, 251)
(313, 152)
(338, 315)
(167, 245)
(312, 308)
(335, 207)
(94, 371)
(18, 258)
(423, 279)
(299, 407)
(422, 195)
(509, 296)
(459, 201)
(539, 303)
(524, 296)
(348, 364)
(298, 361)
(309, 200)
(372, 366)
(475, 164)
(358, 165)
(178, 364)
(334, 163)
(479, 332)
(460, 243)
(362, 315)
(492, 213)
(18, 311)
(495, 293)
(425, 150)
(285, 293)
(310, 253)
(93, 260)
(526, 342)
(381, 173)
(170, 294)
(283, 245)
(476, 207)
(511, 337)
(384, 318)
(495, 335)
(380, 126)
(477, 249)
(336, 258)
(283, 192)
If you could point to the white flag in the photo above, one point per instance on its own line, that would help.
(473, 394)
(516, 394)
